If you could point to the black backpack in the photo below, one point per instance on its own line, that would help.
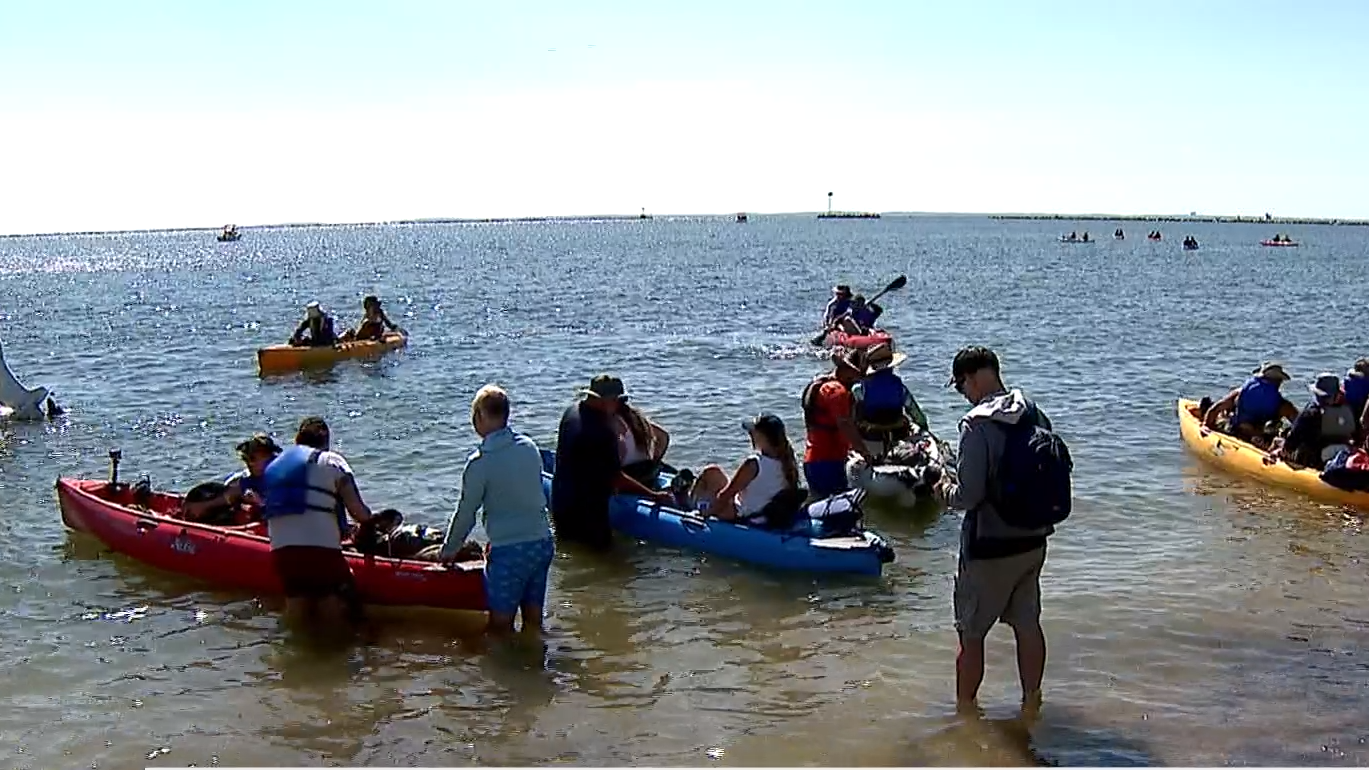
(1032, 489)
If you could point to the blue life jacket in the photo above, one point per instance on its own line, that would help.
(880, 408)
(286, 487)
(865, 317)
(1258, 403)
(247, 482)
(837, 307)
(1356, 393)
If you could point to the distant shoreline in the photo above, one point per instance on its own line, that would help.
(1177, 218)
(637, 218)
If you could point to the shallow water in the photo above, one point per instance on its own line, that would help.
(1193, 618)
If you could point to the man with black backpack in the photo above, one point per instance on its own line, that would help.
(1013, 483)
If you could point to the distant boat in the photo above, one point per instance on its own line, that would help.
(644, 215)
(230, 233)
(830, 214)
(741, 217)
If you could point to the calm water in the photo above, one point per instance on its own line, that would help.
(1192, 617)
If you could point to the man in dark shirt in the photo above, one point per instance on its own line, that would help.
(588, 470)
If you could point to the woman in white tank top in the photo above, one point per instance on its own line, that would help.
(641, 445)
(762, 476)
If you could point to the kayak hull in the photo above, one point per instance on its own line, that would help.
(1236, 456)
(839, 339)
(240, 557)
(862, 554)
(1278, 243)
(277, 359)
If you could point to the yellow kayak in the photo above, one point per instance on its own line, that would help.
(1237, 456)
(288, 358)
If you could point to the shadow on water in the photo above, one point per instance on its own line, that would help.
(325, 374)
(1055, 737)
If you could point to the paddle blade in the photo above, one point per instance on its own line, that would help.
(896, 284)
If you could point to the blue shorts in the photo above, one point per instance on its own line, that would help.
(516, 575)
(826, 477)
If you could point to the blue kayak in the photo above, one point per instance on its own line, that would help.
(863, 553)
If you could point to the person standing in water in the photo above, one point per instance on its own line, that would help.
(1013, 483)
(589, 470)
(503, 479)
(309, 492)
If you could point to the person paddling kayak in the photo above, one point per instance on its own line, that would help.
(317, 325)
(837, 305)
(373, 324)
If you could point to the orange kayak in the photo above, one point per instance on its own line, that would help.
(289, 358)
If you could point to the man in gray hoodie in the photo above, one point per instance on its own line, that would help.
(999, 573)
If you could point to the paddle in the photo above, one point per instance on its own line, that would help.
(894, 285)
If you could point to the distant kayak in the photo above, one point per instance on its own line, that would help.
(1190, 247)
(838, 339)
(1076, 240)
(277, 359)
(1278, 243)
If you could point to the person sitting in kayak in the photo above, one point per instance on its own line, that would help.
(883, 407)
(837, 305)
(641, 444)
(1085, 239)
(238, 499)
(317, 325)
(373, 324)
(1322, 429)
(1355, 387)
(764, 491)
(861, 317)
(386, 534)
(1253, 407)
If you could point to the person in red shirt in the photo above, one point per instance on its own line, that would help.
(832, 434)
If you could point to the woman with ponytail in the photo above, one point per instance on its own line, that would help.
(764, 490)
(641, 444)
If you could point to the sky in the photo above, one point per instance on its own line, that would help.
(143, 114)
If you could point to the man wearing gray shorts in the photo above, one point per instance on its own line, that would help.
(999, 573)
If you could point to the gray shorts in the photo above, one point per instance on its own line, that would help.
(990, 590)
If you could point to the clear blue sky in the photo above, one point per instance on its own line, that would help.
(166, 114)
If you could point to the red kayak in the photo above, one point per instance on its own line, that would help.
(240, 557)
(839, 339)
(1278, 243)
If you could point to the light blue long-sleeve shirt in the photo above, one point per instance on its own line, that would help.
(504, 479)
